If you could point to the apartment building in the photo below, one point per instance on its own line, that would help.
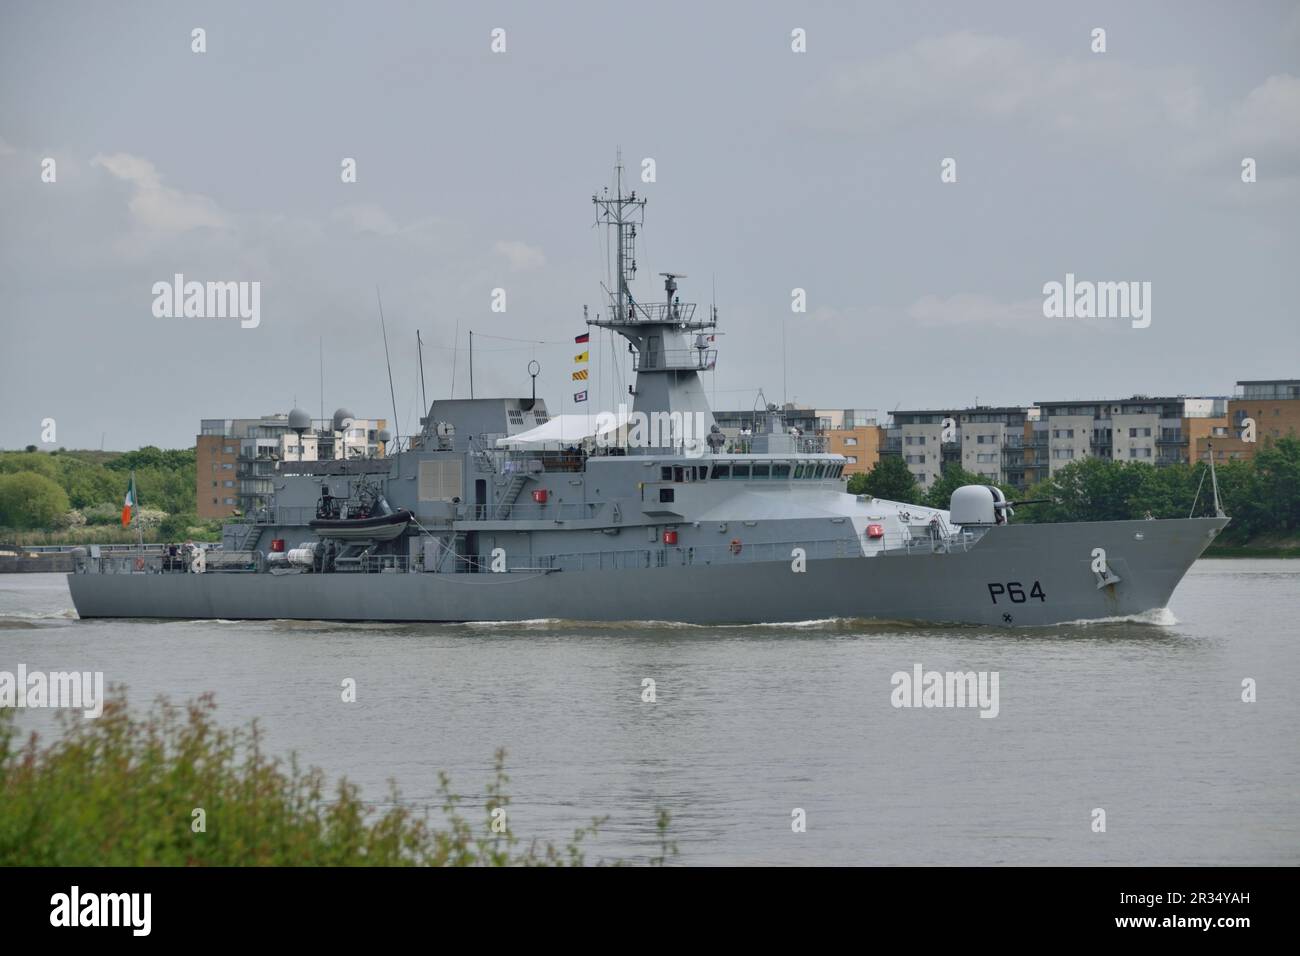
(854, 433)
(1142, 428)
(985, 440)
(236, 458)
(1258, 411)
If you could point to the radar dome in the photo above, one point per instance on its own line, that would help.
(299, 420)
(341, 419)
(385, 435)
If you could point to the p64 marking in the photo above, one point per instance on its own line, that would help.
(1016, 592)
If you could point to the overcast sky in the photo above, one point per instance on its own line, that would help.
(775, 170)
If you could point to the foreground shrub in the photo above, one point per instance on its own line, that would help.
(122, 790)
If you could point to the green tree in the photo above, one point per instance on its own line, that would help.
(889, 478)
(88, 484)
(29, 500)
(1276, 504)
(15, 461)
(176, 527)
(1090, 489)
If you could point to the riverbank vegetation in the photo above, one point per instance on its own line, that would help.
(1262, 494)
(75, 497)
(172, 787)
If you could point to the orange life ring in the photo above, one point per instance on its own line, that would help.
(139, 564)
(735, 546)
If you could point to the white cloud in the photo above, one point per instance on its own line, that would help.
(1156, 116)
(520, 256)
(984, 78)
(366, 217)
(967, 308)
(156, 208)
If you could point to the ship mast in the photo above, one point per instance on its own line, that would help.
(669, 344)
(622, 214)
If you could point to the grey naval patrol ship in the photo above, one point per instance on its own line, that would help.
(497, 512)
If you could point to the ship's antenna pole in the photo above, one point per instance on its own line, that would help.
(713, 314)
(397, 426)
(455, 350)
(471, 363)
(419, 350)
(785, 374)
(321, 340)
(1214, 483)
(622, 280)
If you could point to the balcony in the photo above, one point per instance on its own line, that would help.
(668, 360)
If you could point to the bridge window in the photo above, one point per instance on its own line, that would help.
(819, 471)
(666, 494)
(721, 471)
(798, 471)
(781, 471)
(740, 472)
(666, 473)
(762, 471)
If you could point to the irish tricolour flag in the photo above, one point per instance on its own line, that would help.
(130, 504)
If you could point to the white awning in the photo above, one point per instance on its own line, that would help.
(565, 430)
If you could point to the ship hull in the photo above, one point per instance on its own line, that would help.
(1015, 576)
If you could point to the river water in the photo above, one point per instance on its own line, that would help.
(1142, 720)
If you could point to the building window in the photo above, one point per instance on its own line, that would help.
(227, 466)
(850, 441)
(853, 459)
(228, 450)
(1139, 452)
(230, 501)
(1063, 454)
